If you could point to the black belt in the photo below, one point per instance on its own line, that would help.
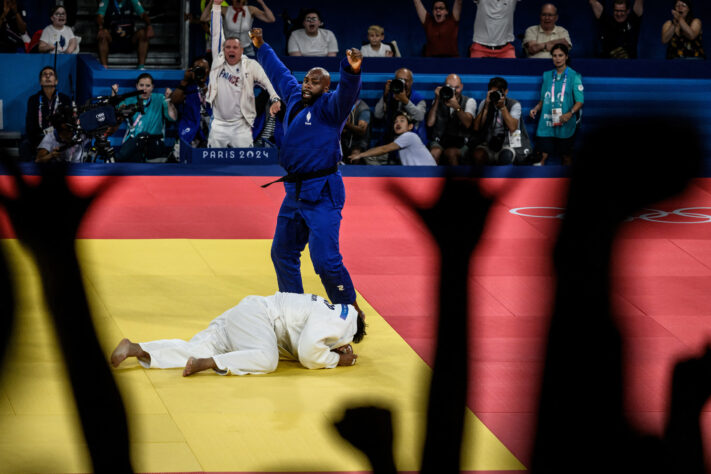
(493, 47)
(298, 178)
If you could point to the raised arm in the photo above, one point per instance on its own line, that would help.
(340, 103)
(596, 8)
(457, 10)
(421, 12)
(217, 36)
(265, 15)
(279, 76)
(638, 7)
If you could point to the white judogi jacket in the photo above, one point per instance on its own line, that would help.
(250, 71)
(251, 337)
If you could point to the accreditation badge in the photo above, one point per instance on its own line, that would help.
(555, 116)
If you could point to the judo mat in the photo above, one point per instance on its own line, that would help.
(163, 255)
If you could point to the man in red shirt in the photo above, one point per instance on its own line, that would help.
(441, 29)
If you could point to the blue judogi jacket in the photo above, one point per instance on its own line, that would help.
(190, 119)
(312, 140)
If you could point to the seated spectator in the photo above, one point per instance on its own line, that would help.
(40, 108)
(682, 34)
(194, 124)
(375, 48)
(145, 131)
(356, 132)
(121, 35)
(59, 145)
(411, 150)
(58, 35)
(619, 32)
(493, 29)
(450, 119)
(398, 96)
(12, 28)
(441, 29)
(498, 122)
(539, 39)
(237, 20)
(557, 129)
(312, 40)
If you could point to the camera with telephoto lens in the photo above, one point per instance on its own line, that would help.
(199, 73)
(397, 86)
(496, 96)
(446, 92)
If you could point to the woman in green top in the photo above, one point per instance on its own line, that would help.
(561, 101)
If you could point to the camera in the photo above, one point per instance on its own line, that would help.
(96, 117)
(199, 73)
(496, 96)
(446, 93)
(397, 86)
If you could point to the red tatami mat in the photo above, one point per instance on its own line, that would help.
(662, 274)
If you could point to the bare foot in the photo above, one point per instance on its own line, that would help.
(126, 349)
(198, 365)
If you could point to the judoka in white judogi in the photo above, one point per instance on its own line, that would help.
(251, 337)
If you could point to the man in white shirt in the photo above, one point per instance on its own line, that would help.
(539, 39)
(493, 29)
(312, 40)
(251, 337)
(231, 89)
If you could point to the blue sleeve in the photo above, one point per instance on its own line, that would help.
(340, 103)
(578, 95)
(281, 78)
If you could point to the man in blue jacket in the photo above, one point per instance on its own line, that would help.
(310, 153)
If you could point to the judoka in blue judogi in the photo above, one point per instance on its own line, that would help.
(310, 153)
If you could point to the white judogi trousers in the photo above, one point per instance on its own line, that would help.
(243, 338)
(236, 134)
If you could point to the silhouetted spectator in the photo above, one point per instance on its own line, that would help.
(539, 39)
(619, 32)
(682, 34)
(441, 28)
(13, 25)
(121, 35)
(493, 29)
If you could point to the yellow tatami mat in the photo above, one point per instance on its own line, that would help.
(154, 289)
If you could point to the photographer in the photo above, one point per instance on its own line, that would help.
(144, 131)
(194, 124)
(499, 124)
(450, 119)
(59, 145)
(398, 96)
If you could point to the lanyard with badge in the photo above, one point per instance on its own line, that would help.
(139, 117)
(51, 108)
(556, 112)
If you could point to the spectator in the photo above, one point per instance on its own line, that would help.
(450, 119)
(12, 28)
(121, 36)
(40, 108)
(58, 35)
(441, 29)
(312, 40)
(682, 34)
(231, 90)
(411, 150)
(356, 132)
(498, 123)
(145, 130)
(562, 89)
(194, 123)
(398, 96)
(539, 39)
(375, 48)
(237, 20)
(493, 29)
(59, 145)
(619, 32)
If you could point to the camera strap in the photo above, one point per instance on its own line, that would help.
(51, 107)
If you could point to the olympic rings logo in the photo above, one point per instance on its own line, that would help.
(686, 215)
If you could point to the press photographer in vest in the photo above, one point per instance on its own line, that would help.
(450, 119)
